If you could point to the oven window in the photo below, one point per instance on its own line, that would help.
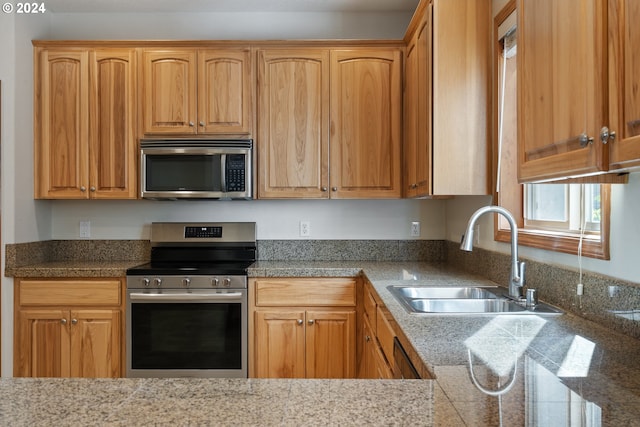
(183, 172)
(186, 336)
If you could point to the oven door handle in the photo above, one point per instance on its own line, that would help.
(186, 297)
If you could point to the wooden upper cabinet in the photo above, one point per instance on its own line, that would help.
(190, 91)
(224, 91)
(578, 74)
(624, 82)
(447, 99)
(418, 116)
(366, 123)
(293, 97)
(85, 123)
(113, 148)
(169, 82)
(461, 97)
(61, 125)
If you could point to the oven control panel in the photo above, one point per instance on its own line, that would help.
(187, 282)
(207, 232)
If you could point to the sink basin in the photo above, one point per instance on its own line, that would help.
(495, 305)
(443, 292)
(462, 300)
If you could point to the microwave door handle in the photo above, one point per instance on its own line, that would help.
(223, 173)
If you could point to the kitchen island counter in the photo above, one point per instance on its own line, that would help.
(217, 402)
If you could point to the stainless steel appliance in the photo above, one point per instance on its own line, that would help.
(196, 169)
(187, 308)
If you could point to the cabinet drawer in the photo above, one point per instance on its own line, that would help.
(385, 335)
(305, 292)
(69, 292)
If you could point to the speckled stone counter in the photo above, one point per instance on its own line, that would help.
(490, 370)
(218, 402)
(74, 269)
(527, 369)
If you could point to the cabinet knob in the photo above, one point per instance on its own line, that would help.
(324, 189)
(63, 321)
(300, 322)
(201, 123)
(606, 135)
(585, 140)
(74, 321)
(311, 321)
(83, 188)
(191, 124)
(92, 188)
(334, 188)
(367, 338)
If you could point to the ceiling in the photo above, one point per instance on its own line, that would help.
(191, 6)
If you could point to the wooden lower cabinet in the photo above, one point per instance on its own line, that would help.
(377, 356)
(317, 340)
(373, 364)
(66, 328)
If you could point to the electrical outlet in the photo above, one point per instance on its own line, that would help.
(305, 228)
(415, 229)
(85, 229)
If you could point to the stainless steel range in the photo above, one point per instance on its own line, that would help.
(187, 308)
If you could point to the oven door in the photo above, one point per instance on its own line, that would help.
(180, 334)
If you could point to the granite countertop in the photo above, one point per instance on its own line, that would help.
(527, 370)
(33, 402)
(73, 268)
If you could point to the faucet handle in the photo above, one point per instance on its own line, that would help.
(521, 271)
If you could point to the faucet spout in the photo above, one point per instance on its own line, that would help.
(517, 268)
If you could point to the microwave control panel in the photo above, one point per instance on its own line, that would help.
(235, 173)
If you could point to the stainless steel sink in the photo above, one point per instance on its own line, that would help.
(494, 305)
(443, 292)
(462, 300)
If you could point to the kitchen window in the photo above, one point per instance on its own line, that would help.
(565, 217)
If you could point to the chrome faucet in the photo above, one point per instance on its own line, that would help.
(517, 269)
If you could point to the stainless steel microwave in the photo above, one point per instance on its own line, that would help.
(196, 169)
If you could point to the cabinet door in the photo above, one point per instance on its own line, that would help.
(366, 115)
(61, 124)
(561, 64)
(279, 338)
(293, 110)
(112, 121)
(624, 81)
(418, 97)
(224, 91)
(330, 344)
(42, 343)
(368, 367)
(95, 343)
(169, 81)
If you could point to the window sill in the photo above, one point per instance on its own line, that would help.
(597, 248)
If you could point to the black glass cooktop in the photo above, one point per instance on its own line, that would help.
(186, 268)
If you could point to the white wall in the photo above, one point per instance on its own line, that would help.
(23, 219)
(330, 219)
(226, 26)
